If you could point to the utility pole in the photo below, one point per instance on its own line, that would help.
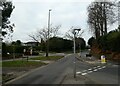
(47, 51)
(74, 32)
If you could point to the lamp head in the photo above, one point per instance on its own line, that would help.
(50, 9)
(77, 29)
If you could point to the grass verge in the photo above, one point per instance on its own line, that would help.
(54, 58)
(20, 63)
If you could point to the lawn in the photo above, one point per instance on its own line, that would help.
(16, 65)
(20, 63)
(54, 58)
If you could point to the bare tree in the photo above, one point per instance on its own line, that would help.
(55, 30)
(69, 33)
(42, 35)
(100, 15)
(78, 40)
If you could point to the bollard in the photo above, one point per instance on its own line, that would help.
(103, 60)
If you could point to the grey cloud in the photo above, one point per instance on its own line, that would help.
(29, 16)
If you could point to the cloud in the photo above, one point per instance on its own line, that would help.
(30, 15)
(50, 1)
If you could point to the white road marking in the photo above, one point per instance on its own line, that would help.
(95, 70)
(90, 71)
(84, 70)
(98, 66)
(104, 67)
(83, 73)
(78, 72)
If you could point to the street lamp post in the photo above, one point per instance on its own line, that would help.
(118, 13)
(117, 4)
(48, 33)
(74, 32)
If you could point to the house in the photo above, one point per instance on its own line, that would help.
(32, 44)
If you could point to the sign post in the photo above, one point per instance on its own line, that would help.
(31, 52)
(24, 51)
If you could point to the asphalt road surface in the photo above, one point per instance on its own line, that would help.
(55, 73)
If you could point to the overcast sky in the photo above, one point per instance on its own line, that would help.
(31, 15)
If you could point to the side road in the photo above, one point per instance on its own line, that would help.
(25, 57)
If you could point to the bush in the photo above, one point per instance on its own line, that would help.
(33, 53)
(111, 41)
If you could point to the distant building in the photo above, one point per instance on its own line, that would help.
(31, 44)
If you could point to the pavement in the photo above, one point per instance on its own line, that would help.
(88, 71)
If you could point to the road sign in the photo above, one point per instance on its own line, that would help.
(24, 50)
(31, 51)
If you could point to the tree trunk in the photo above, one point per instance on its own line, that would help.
(46, 49)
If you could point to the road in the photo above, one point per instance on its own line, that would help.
(57, 73)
